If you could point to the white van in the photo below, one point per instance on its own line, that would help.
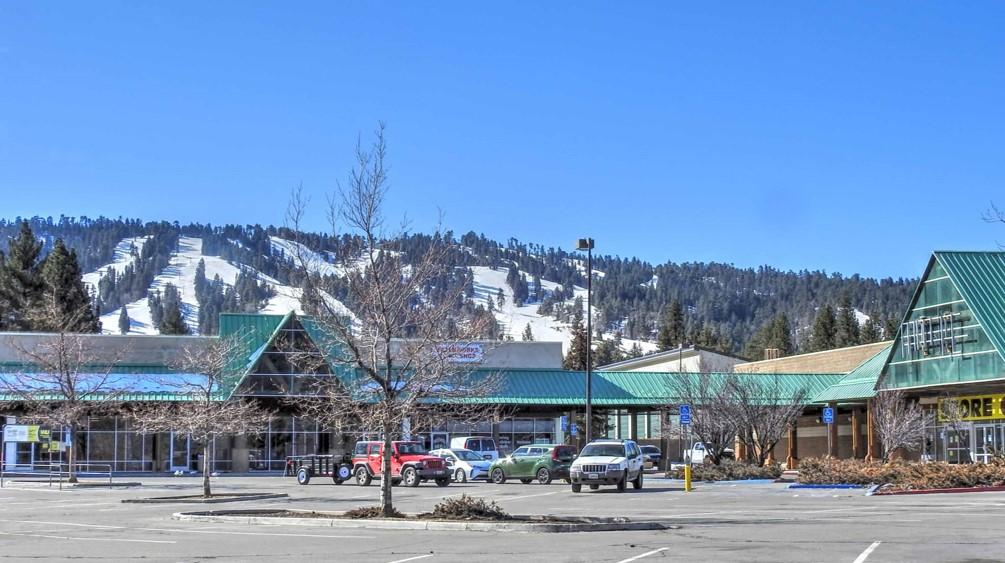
(481, 445)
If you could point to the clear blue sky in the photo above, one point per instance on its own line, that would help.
(855, 137)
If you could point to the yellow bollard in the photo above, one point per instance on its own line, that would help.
(687, 478)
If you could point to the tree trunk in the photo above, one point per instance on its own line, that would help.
(386, 506)
(71, 455)
(206, 493)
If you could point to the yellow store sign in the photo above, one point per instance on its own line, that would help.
(972, 407)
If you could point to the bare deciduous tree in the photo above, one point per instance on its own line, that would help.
(400, 345)
(898, 423)
(952, 413)
(762, 410)
(64, 378)
(203, 410)
(711, 420)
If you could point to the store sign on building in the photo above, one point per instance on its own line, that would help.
(20, 433)
(973, 407)
(471, 353)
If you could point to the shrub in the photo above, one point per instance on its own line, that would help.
(468, 508)
(370, 512)
(902, 475)
(728, 471)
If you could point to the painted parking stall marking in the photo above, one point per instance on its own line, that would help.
(643, 555)
(868, 551)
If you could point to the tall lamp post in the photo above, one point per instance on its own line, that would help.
(587, 245)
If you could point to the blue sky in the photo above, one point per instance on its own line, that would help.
(854, 137)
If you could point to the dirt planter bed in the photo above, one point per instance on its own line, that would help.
(199, 499)
(540, 524)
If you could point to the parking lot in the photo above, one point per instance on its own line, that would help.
(740, 522)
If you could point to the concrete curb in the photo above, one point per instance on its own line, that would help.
(107, 485)
(831, 486)
(240, 497)
(235, 517)
(941, 491)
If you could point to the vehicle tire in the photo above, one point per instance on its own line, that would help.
(498, 476)
(637, 483)
(460, 476)
(443, 481)
(576, 487)
(623, 482)
(343, 473)
(594, 487)
(544, 476)
(303, 476)
(395, 482)
(410, 477)
(363, 477)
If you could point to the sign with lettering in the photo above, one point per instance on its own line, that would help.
(828, 415)
(20, 433)
(685, 414)
(470, 353)
(972, 407)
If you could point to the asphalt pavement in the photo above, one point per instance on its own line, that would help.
(725, 521)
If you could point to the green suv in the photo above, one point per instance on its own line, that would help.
(542, 462)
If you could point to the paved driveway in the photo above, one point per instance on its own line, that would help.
(765, 522)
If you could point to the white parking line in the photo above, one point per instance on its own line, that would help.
(411, 558)
(646, 554)
(527, 496)
(868, 551)
(185, 531)
(49, 537)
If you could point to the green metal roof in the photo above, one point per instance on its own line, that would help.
(860, 383)
(980, 279)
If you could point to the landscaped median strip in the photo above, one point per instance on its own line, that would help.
(539, 524)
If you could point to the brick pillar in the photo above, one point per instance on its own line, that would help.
(856, 433)
(870, 434)
(832, 430)
(792, 458)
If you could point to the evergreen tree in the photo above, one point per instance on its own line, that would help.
(846, 331)
(576, 358)
(500, 298)
(20, 281)
(890, 328)
(123, 320)
(61, 278)
(607, 353)
(870, 331)
(671, 332)
(636, 351)
(173, 322)
(528, 334)
(781, 335)
(822, 337)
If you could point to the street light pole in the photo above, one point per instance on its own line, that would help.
(587, 245)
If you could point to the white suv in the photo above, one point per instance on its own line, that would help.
(608, 462)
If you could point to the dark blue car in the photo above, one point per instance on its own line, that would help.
(653, 454)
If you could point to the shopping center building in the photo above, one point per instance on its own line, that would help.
(949, 349)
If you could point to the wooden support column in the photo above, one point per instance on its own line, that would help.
(792, 458)
(633, 425)
(832, 431)
(856, 431)
(870, 434)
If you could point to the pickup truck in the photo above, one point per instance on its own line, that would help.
(699, 454)
(410, 464)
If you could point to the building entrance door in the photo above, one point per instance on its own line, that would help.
(988, 441)
(180, 458)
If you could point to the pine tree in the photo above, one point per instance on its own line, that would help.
(870, 332)
(890, 328)
(671, 332)
(20, 281)
(781, 335)
(528, 334)
(123, 320)
(500, 298)
(846, 331)
(173, 322)
(822, 337)
(61, 277)
(576, 358)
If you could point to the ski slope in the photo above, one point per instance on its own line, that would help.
(123, 256)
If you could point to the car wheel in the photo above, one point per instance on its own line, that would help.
(544, 476)
(594, 487)
(363, 477)
(443, 481)
(623, 482)
(576, 487)
(303, 476)
(637, 483)
(498, 476)
(460, 476)
(410, 477)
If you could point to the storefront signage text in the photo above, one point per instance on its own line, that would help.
(20, 433)
(973, 407)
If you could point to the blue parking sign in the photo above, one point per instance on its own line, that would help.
(573, 429)
(565, 423)
(685, 414)
(828, 415)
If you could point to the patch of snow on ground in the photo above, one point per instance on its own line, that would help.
(861, 317)
(122, 257)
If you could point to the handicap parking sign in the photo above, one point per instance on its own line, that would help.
(828, 415)
(685, 414)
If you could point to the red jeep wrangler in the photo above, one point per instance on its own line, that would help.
(410, 464)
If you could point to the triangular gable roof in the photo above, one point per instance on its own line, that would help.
(859, 383)
(980, 279)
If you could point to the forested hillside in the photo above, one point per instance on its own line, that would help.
(135, 269)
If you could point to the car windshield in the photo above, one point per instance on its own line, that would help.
(467, 455)
(604, 450)
(411, 448)
(650, 450)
